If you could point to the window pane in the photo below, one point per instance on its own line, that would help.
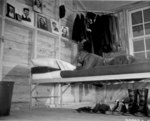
(147, 28)
(147, 43)
(140, 55)
(138, 45)
(138, 31)
(146, 15)
(148, 54)
(136, 17)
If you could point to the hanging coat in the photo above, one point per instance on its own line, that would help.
(79, 28)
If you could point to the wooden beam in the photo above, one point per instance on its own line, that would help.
(94, 78)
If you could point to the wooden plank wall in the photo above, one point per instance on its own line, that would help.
(19, 46)
(46, 46)
(17, 49)
(19, 43)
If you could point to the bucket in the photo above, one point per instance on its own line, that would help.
(6, 89)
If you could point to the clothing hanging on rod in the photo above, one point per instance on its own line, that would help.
(105, 33)
(80, 33)
(96, 12)
(101, 32)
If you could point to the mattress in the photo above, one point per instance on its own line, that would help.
(109, 70)
(97, 71)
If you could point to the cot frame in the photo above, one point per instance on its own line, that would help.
(102, 78)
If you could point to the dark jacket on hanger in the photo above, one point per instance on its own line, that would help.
(79, 28)
(105, 34)
(80, 33)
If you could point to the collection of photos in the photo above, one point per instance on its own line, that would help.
(25, 14)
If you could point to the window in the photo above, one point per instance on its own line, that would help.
(140, 32)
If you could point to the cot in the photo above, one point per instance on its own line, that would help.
(103, 74)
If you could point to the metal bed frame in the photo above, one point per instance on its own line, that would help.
(34, 83)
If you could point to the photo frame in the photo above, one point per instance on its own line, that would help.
(18, 17)
(42, 22)
(54, 26)
(27, 15)
(37, 6)
(10, 11)
(64, 31)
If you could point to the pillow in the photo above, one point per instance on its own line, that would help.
(65, 65)
(50, 62)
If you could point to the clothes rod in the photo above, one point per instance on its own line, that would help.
(94, 11)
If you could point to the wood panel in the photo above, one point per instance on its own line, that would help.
(48, 8)
(46, 46)
(16, 52)
(17, 34)
(18, 46)
(16, 59)
(67, 50)
(1, 48)
(0, 25)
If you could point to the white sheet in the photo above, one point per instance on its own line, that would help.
(54, 63)
(48, 75)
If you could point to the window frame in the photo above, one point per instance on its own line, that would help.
(130, 32)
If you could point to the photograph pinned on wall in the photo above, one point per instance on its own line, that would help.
(27, 15)
(10, 11)
(54, 26)
(37, 6)
(42, 22)
(18, 17)
(15, 5)
(64, 31)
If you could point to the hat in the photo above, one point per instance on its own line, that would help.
(62, 11)
(91, 15)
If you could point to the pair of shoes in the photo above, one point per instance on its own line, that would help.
(138, 101)
(132, 105)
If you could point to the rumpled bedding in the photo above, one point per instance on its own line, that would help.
(122, 64)
(122, 59)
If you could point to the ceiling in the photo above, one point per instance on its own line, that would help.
(107, 5)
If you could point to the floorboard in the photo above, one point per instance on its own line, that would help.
(62, 114)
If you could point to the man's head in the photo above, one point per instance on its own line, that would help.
(81, 55)
(26, 11)
(38, 3)
(42, 21)
(64, 30)
(54, 24)
(11, 10)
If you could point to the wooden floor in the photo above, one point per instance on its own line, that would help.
(49, 114)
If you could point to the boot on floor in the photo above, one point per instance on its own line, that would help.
(132, 105)
(143, 106)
